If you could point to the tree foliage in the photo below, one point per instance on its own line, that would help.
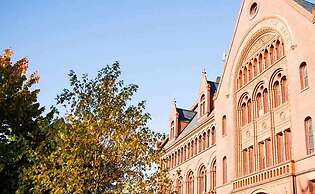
(21, 120)
(102, 145)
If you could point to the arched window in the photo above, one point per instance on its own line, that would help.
(245, 162)
(188, 150)
(260, 62)
(172, 130)
(266, 101)
(192, 148)
(208, 138)
(279, 50)
(180, 187)
(240, 79)
(309, 133)
(245, 75)
(284, 90)
(185, 153)
(259, 105)
(204, 141)
(255, 67)
(190, 183)
(244, 115)
(249, 111)
(276, 94)
(303, 76)
(272, 55)
(266, 58)
(213, 177)
(213, 138)
(250, 71)
(224, 125)
(200, 144)
(202, 183)
(202, 105)
(224, 172)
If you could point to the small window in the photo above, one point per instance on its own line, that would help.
(202, 105)
(253, 9)
(224, 165)
(303, 76)
(224, 125)
(309, 133)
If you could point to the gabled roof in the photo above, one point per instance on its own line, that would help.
(306, 5)
(213, 86)
(185, 115)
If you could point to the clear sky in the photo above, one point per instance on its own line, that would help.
(162, 45)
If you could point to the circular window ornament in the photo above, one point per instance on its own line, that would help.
(253, 9)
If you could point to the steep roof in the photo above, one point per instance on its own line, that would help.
(306, 5)
(185, 115)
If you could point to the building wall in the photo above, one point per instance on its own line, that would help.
(294, 25)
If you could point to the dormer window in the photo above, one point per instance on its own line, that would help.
(172, 130)
(202, 105)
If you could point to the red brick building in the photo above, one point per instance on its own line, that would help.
(251, 132)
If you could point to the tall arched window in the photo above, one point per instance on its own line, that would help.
(272, 56)
(278, 50)
(259, 104)
(202, 183)
(202, 105)
(250, 71)
(266, 101)
(309, 133)
(213, 177)
(249, 111)
(284, 90)
(244, 115)
(190, 183)
(276, 94)
(303, 76)
(224, 170)
(172, 130)
(240, 79)
(245, 161)
(213, 136)
(179, 187)
(245, 75)
(266, 58)
(192, 148)
(188, 150)
(224, 125)
(255, 67)
(260, 62)
(204, 141)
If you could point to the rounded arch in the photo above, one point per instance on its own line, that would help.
(257, 87)
(274, 24)
(260, 191)
(273, 76)
(241, 98)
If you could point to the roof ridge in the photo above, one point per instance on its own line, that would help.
(309, 6)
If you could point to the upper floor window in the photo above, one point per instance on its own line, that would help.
(213, 138)
(172, 130)
(303, 76)
(266, 101)
(224, 171)
(202, 105)
(309, 133)
(202, 182)
(224, 125)
(276, 94)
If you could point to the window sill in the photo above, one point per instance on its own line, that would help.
(304, 89)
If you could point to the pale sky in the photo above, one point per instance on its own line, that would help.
(162, 45)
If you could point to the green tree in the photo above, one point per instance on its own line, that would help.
(21, 120)
(102, 145)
